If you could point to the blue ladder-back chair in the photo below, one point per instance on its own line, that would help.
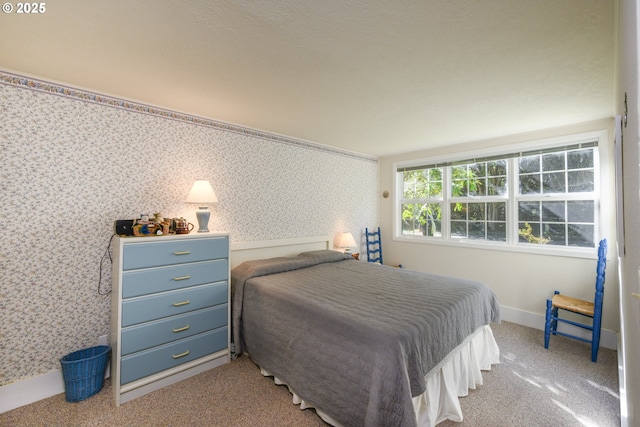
(582, 307)
(374, 245)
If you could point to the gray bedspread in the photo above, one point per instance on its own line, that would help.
(353, 339)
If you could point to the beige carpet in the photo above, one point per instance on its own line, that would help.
(531, 387)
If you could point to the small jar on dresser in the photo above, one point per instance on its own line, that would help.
(169, 310)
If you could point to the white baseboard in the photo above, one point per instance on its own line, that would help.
(608, 338)
(31, 390)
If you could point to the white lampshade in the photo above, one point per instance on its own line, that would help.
(346, 241)
(201, 192)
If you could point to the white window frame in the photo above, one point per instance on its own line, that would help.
(470, 199)
(602, 165)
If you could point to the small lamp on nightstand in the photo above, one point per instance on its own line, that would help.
(202, 194)
(346, 241)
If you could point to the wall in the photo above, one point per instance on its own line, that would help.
(630, 263)
(74, 161)
(522, 281)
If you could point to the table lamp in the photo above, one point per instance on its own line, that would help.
(346, 241)
(201, 194)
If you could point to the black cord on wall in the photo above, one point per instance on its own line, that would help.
(107, 254)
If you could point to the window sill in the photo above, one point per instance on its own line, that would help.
(589, 253)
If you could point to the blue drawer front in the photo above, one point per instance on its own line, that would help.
(158, 359)
(145, 309)
(147, 335)
(161, 279)
(155, 254)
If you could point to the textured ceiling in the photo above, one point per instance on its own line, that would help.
(374, 77)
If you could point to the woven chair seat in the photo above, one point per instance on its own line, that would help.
(573, 304)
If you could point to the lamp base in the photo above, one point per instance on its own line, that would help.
(202, 214)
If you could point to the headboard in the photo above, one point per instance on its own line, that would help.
(244, 251)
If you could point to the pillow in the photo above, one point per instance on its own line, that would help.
(325, 255)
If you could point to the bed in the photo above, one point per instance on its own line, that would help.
(363, 344)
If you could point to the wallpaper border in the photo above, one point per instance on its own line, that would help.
(31, 83)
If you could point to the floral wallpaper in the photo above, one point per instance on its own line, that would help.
(73, 162)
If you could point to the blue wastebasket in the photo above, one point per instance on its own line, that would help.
(83, 372)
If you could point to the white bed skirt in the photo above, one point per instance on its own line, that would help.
(452, 378)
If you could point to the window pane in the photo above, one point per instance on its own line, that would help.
(580, 181)
(459, 188)
(497, 211)
(459, 171)
(435, 174)
(529, 232)
(553, 211)
(556, 233)
(410, 180)
(410, 215)
(435, 183)
(476, 211)
(580, 159)
(497, 231)
(458, 229)
(553, 182)
(476, 230)
(530, 184)
(433, 220)
(422, 219)
(478, 187)
(580, 235)
(529, 211)
(553, 162)
(497, 168)
(580, 211)
(435, 190)
(529, 164)
(497, 186)
(478, 170)
(458, 211)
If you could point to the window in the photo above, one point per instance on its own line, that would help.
(547, 197)
(422, 213)
(556, 198)
(478, 202)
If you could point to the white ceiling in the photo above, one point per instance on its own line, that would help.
(370, 76)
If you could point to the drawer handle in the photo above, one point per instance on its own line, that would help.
(181, 278)
(182, 253)
(178, 304)
(178, 356)
(184, 328)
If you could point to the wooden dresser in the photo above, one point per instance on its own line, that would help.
(169, 310)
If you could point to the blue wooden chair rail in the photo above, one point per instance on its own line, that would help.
(589, 309)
